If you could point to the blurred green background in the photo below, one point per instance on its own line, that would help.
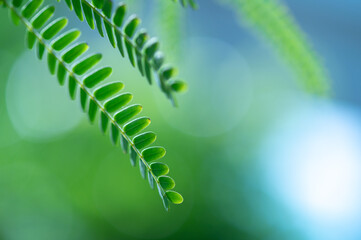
(253, 155)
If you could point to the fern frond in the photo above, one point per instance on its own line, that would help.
(67, 60)
(272, 19)
(123, 33)
(171, 23)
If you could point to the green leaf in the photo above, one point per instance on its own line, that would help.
(98, 76)
(30, 39)
(84, 65)
(127, 113)
(75, 52)
(17, 3)
(109, 30)
(166, 182)
(168, 72)
(153, 153)
(151, 47)
(148, 71)
(40, 50)
(136, 126)
(77, 9)
(72, 87)
(119, 14)
(104, 120)
(119, 43)
(68, 2)
(42, 17)
(158, 60)
(114, 134)
(118, 102)
(150, 180)
(178, 86)
(125, 144)
(30, 8)
(52, 63)
(159, 169)
(144, 139)
(142, 168)
(83, 99)
(53, 28)
(65, 39)
(61, 74)
(131, 25)
(133, 157)
(108, 90)
(98, 3)
(141, 38)
(88, 15)
(99, 23)
(14, 17)
(92, 111)
(129, 48)
(140, 63)
(174, 197)
(107, 8)
(163, 197)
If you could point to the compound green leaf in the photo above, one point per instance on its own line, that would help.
(110, 34)
(166, 182)
(30, 39)
(83, 99)
(174, 197)
(116, 103)
(150, 180)
(54, 27)
(77, 9)
(127, 113)
(159, 169)
(153, 153)
(98, 3)
(133, 157)
(30, 8)
(75, 52)
(124, 144)
(40, 50)
(104, 120)
(119, 43)
(131, 25)
(42, 17)
(96, 77)
(114, 134)
(129, 48)
(72, 87)
(136, 126)
(65, 39)
(99, 23)
(108, 90)
(52, 63)
(84, 65)
(61, 74)
(144, 139)
(142, 169)
(92, 111)
(119, 14)
(88, 15)
(151, 48)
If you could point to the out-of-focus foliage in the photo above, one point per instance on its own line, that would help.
(272, 19)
